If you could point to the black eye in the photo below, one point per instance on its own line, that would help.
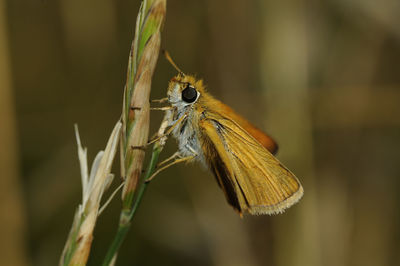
(189, 94)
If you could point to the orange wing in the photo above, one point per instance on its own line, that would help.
(260, 136)
(252, 179)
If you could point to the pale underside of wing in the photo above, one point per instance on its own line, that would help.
(253, 180)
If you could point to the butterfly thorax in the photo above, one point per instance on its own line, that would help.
(187, 131)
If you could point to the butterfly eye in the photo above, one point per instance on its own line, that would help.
(189, 94)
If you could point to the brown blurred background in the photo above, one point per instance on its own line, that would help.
(322, 77)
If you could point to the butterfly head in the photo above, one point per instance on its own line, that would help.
(184, 90)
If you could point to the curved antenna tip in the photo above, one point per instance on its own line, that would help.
(168, 57)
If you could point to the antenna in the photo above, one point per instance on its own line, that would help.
(168, 57)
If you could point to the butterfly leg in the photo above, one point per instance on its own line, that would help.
(172, 157)
(177, 155)
(165, 108)
(154, 139)
(162, 100)
(161, 136)
(176, 161)
(169, 131)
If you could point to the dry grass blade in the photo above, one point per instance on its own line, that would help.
(136, 113)
(77, 248)
(136, 108)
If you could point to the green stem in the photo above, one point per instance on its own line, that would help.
(73, 239)
(127, 215)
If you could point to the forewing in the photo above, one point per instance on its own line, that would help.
(261, 183)
(264, 139)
